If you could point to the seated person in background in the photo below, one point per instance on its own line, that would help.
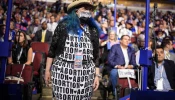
(32, 29)
(112, 40)
(141, 41)
(167, 45)
(160, 34)
(107, 44)
(12, 31)
(150, 43)
(2, 32)
(161, 77)
(121, 56)
(43, 35)
(21, 51)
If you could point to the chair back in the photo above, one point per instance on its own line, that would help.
(38, 62)
(15, 70)
(39, 46)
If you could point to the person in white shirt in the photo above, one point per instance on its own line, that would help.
(126, 30)
(121, 56)
(149, 48)
(52, 25)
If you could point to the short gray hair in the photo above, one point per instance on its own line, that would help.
(141, 37)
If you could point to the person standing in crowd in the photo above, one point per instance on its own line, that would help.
(52, 25)
(43, 35)
(121, 56)
(74, 54)
(161, 77)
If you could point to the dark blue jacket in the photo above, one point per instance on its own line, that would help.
(116, 56)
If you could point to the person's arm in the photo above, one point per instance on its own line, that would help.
(111, 56)
(103, 43)
(36, 36)
(10, 61)
(52, 53)
(28, 32)
(47, 71)
(54, 43)
(133, 64)
(29, 57)
(49, 63)
(95, 42)
(139, 30)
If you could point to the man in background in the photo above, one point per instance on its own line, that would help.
(121, 56)
(161, 76)
(43, 35)
(52, 25)
(167, 45)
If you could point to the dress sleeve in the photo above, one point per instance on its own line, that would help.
(54, 42)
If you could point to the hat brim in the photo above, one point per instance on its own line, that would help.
(78, 4)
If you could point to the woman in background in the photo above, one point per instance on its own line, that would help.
(106, 45)
(21, 50)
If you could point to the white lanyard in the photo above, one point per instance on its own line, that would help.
(21, 73)
(19, 56)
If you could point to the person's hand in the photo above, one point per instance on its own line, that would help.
(47, 77)
(130, 67)
(32, 35)
(120, 67)
(106, 41)
(11, 63)
(96, 83)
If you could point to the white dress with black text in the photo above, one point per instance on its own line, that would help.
(69, 83)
